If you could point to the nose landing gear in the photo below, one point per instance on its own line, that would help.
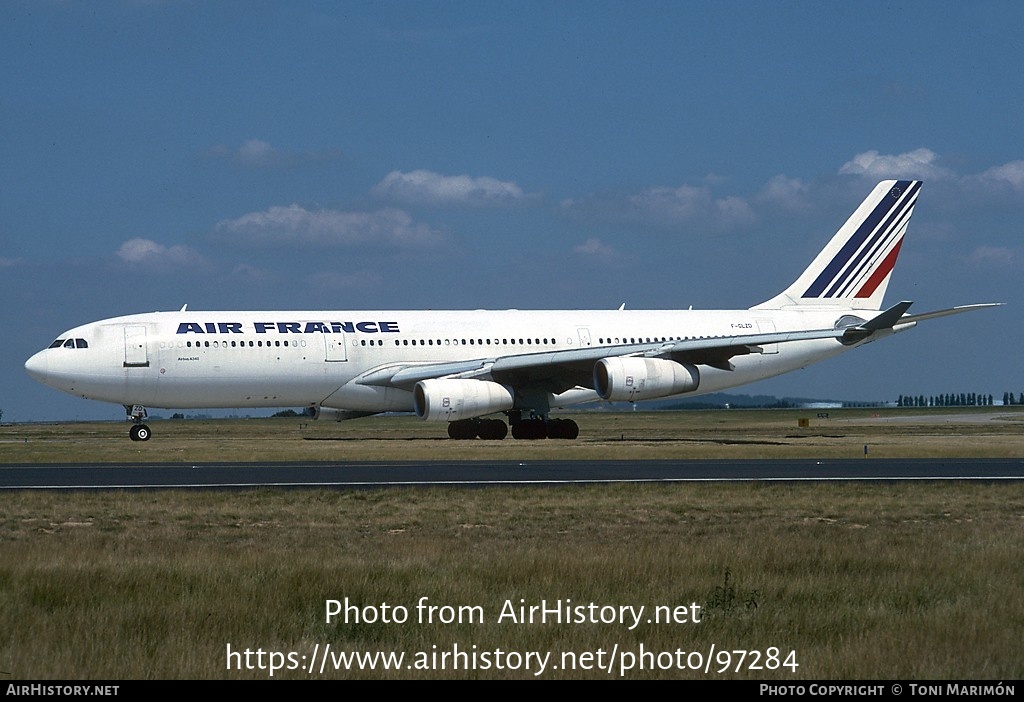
(139, 431)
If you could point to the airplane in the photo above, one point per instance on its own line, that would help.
(466, 367)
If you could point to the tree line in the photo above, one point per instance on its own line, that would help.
(963, 399)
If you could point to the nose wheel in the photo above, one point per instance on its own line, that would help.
(139, 432)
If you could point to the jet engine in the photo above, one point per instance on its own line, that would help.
(634, 379)
(449, 400)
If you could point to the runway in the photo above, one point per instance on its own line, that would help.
(368, 475)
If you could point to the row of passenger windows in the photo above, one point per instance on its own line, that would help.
(83, 344)
(71, 343)
(521, 342)
(640, 340)
(216, 344)
(468, 342)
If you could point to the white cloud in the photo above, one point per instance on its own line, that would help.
(671, 203)
(295, 224)
(1011, 173)
(256, 153)
(596, 248)
(733, 211)
(429, 188)
(665, 208)
(672, 206)
(789, 193)
(147, 252)
(920, 163)
(993, 256)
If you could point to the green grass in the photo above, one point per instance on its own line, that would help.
(861, 581)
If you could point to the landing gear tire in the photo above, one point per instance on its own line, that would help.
(530, 429)
(493, 429)
(563, 429)
(541, 429)
(139, 432)
(462, 429)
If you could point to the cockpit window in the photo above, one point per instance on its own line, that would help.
(70, 344)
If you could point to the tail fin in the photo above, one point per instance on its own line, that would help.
(853, 270)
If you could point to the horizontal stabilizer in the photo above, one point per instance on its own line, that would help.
(888, 319)
(945, 313)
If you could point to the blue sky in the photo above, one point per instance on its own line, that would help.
(406, 155)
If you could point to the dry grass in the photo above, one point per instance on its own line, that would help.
(981, 432)
(904, 581)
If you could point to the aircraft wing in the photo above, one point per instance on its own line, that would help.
(558, 371)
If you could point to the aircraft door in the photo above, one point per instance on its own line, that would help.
(335, 347)
(136, 353)
(584, 334)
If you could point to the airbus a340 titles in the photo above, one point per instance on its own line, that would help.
(470, 368)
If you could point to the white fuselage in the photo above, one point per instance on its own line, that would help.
(319, 358)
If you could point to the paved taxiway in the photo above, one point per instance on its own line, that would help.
(111, 476)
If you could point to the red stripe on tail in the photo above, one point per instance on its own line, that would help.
(881, 272)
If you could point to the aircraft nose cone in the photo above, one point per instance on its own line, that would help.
(37, 367)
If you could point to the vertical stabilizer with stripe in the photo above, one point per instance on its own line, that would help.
(853, 270)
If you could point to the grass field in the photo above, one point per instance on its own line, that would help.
(905, 581)
(983, 432)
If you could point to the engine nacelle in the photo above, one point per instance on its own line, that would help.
(634, 379)
(448, 400)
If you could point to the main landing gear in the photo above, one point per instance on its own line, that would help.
(139, 431)
(532, 428)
